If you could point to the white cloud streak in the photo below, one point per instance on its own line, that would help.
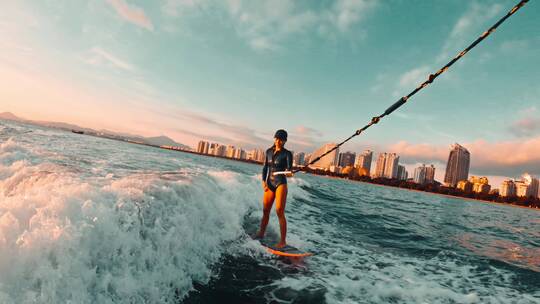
(98, 56)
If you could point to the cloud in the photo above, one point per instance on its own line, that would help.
(507, 158)
(526, 126)
(467, 26)
(345, 13)
(265, 25)
(98, 56)
(132, 13)
(414, 77)
(307, 131)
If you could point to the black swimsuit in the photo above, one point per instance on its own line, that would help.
(280, 161)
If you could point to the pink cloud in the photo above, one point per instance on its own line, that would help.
(526, 126)
(132, 14)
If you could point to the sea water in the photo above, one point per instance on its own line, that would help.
(90, 220)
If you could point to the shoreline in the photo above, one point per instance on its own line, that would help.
(428, 192)
(253, 162)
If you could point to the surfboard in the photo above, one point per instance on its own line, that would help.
(287, 251)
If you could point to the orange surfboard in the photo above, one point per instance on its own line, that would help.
(287, 251)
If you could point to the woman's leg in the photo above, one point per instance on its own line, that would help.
(268, 201)
(281, 201)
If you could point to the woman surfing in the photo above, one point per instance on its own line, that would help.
(277, 167)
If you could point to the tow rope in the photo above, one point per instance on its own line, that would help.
(430, 79)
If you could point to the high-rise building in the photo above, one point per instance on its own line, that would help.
(457, 168)
(346, 159)
(212, 149)
(229, 152)
(391, 165)
(387, 165)
(202, 146)
(402, 173)
(430, 174)
(379, 166)
(220, 150)
(420, 174)
(330, 159)
(299, 159)
(508, 189)
(528, 187)
(364, 160)
(261, 154)
(238, 153)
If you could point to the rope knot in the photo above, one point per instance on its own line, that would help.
(431, 78)
(375, 120)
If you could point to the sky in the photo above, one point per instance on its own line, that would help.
(235, 71)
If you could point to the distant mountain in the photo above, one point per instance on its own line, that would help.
(156, 141)
(161, 141)
(61, 125)
(9, 116)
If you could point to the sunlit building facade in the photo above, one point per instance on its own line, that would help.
(364, 160)
(387, 165)
(457, 168)
(508, 188)
(327, 161)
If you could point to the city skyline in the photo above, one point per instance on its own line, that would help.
(387, 166)
(166, 68)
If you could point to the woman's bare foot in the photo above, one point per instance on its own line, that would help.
(280, 245)
(258, 236)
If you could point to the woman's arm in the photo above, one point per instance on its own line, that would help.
(265, 170)
(289, 163)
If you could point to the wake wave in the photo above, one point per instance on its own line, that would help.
(138, 238)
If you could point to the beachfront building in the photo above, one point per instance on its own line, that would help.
(430, 174)
(299, 159)
(424, 175)
(420, 175)
(346, 159)
(255, 155)
(203, 147)
(239, 153)
(465, 186)
(229, 151)
(327, 161)
(508, 188)
(528, 187)
(387, 165)
(457, 168)
(220, 150)
(402, 173)
(379, 166)
(391, 165)
(364, 160)
(480, 184)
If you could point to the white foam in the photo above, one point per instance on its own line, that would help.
(138, 238)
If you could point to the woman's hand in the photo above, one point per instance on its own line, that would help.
(289, 174)
(265, 187)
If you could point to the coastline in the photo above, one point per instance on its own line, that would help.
(253, 162)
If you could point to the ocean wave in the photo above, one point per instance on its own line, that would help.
(138, 238)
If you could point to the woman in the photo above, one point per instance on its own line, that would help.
(275, 186)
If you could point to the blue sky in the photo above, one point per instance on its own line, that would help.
(235, 71)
